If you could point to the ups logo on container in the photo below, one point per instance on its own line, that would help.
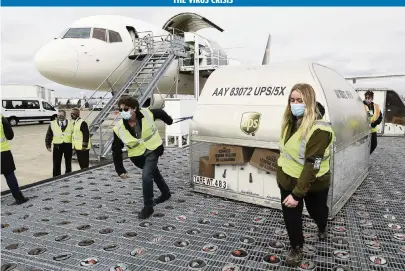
(250, 122)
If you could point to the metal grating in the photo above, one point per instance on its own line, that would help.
(90, 221)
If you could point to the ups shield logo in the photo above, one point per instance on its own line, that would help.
(250, 122)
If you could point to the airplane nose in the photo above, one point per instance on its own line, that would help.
(57, 61)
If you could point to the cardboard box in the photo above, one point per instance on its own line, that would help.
(398, 120)
(265, 159)
(206, 169)
(229, 154)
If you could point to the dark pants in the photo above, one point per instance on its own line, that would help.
(83, 158)
(59, 150)
(13, 185)
(150, 173)
(373, 142)
(316, 203)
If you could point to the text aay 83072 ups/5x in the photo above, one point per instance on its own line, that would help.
(250, 91)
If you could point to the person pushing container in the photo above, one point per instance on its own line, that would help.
(303, 172)
(138, 133)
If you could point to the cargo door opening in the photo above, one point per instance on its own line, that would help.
(394, 119)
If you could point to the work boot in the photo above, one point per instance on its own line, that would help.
(20, 199)
(146, 212)
(162, 198)
(322, 235)
(294, 257)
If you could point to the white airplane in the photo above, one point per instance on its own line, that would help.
(92, 47)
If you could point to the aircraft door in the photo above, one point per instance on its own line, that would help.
(135, 38)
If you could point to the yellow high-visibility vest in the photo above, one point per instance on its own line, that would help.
(77, 137)
(60, 137)
(292, 153)
(5, 146)
(373, 117)
(150, 138)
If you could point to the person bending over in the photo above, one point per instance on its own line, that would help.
(138, 133)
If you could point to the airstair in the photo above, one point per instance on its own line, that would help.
(148, 64)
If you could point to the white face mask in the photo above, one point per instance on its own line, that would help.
(126, 115)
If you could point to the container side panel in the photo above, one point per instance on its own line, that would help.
(247, 103)
(346, 110)
(349, 170)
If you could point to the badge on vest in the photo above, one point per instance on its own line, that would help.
(317, 163)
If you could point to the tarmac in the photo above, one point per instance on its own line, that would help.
(32, 159)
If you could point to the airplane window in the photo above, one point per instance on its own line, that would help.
(77, 33)
(114, 36)
(100, 34)
(63, 33)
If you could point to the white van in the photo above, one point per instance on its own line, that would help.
(16, 109)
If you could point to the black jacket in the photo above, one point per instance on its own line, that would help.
(49, 134)
(379, 119)
(7, 160)
(117, 144)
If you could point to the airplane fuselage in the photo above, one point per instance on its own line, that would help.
(97, 47)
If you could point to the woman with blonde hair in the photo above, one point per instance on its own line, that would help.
(303, 167)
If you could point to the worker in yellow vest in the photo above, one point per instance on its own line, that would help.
(303, 166)
(374, 115)
(81, 139)
(137, 132)
(60, 135)
(7, 161)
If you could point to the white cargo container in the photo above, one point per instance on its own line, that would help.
(242, 107)
(392, 108)
(27, 91)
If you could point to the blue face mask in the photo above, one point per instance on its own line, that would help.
(298, 109)
(126, 115)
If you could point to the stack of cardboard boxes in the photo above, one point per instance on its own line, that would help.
(250, 171)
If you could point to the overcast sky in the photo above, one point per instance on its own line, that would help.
(353, 41)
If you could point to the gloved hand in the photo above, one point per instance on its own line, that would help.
(373, 125)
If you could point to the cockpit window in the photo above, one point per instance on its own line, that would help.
(77, 33)
(114, 36)
(63, 33)
(99, 33)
